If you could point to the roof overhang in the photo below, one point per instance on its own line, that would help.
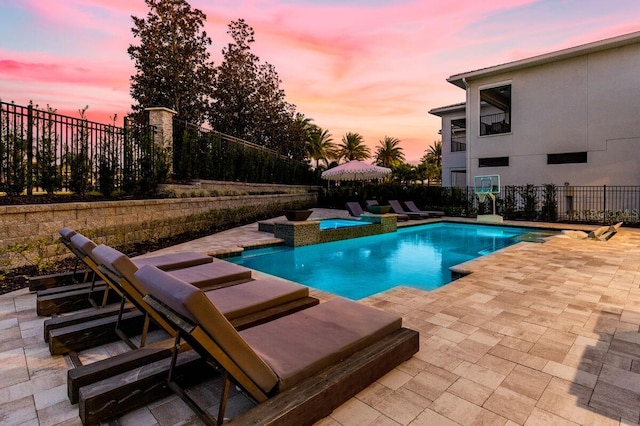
(585, 49)
(440, 111)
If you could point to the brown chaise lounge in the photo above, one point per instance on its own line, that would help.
(244, 303)
(397, 209)
(89, 284)
(235, 294)
(77, 297)
(354, 208)
(298, 368)
(431, 213)
(248, 301)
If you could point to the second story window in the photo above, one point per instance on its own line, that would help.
(496, 116)
(458, 134)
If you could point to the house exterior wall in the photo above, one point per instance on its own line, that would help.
(588, 103)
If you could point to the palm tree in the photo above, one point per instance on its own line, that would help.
(353, 147)
(389, 154)
(320, 146)
(434, 154)
(432, 160)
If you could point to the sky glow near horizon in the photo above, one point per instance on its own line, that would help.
(371, 67)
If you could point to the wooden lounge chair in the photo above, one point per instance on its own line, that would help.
(354, 208)
(75, 297)
(308, 362)
(83, 288)
(77, 276)
(243, 303)
(80, 331)
(248, 302)
(411, 206)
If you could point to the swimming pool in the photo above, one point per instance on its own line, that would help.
(417, 256)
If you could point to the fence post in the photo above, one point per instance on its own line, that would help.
(30, 150)
(162, 119)
(604, 205)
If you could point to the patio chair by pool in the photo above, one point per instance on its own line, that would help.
(88, 285)
(244, 303)
(306, 364)
(371, 203)
(354, 208)
(248, 302)
(80, 331)
(431, 213)
(405, 215)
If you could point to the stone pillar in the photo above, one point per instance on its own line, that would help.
(162, 119)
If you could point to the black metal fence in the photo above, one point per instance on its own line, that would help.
(586, 204)
(548, 203)
(200, 153)
(45, 151)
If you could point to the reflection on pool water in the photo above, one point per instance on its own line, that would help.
(416, 256)
(341, 223)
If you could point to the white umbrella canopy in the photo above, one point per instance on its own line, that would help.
(355, 170)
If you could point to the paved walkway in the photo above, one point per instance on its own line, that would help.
(536, 334)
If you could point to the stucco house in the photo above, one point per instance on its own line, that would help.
(566, 117)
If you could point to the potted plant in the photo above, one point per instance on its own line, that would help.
(297, 215)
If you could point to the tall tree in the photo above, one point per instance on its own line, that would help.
(297, 137)
(352, 147)
(389, 153)
(248, 101)
(172, 62)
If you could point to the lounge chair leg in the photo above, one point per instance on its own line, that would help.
(119, 332)
(93, 285)
(204, 416)
(174, 356)
(105, 297)
(223, 398)
(145, 330)
(75, 269)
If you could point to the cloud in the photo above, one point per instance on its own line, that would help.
(375, 67)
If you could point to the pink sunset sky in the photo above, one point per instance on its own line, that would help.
(369, 66)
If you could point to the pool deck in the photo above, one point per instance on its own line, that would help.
(536, 334)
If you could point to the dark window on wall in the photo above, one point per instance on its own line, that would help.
(458, 134)
(567, 158)
(459, 178)
(493, 162)
(500, 121)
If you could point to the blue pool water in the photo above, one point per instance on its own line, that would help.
(340, 223)
(416, 256)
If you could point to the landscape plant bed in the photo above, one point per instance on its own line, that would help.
(22, 200)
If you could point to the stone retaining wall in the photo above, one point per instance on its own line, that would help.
(237, 187)
(118, 222)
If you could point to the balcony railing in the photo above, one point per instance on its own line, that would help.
(494, 124)
(458, 144)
